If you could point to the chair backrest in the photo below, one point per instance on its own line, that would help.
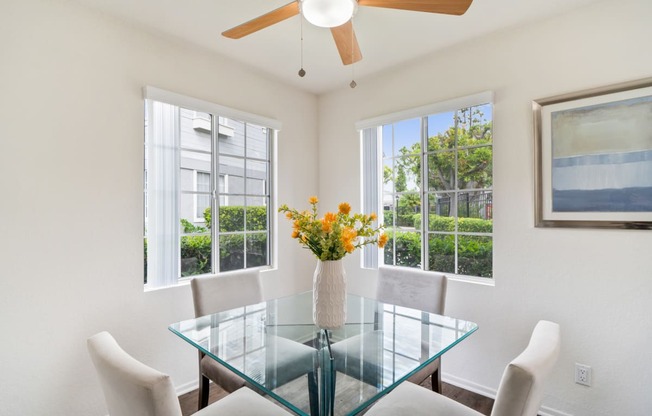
(224, 291)
(412, 288)
(521, 388)
(130, 387)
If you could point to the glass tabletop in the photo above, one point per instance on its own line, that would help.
(277, 349)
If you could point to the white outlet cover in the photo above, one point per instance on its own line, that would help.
(583, 374)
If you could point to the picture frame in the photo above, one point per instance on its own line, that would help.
(593, 158)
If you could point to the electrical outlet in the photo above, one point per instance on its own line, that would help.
(583, 374)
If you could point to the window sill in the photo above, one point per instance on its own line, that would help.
(485, 281)
(185, 281)
(182, 282)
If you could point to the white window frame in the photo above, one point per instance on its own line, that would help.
(195, 182)
(370, 131)
(226, 188)
(154, 281)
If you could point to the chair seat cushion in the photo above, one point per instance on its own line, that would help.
(347, 354)
(221, 375)
(411, 399)
(285, 360)
(243, 402)
(292, 358)
(425, 372)
(348, 357)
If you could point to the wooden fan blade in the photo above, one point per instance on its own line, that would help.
(261, 22)
(347, 43)
(456, 7)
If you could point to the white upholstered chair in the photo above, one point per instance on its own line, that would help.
(217, 293)
(132, 388)
(520, 392)
(224, 291)
(418, 289)
(402, 286)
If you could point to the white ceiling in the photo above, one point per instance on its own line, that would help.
(387, 37)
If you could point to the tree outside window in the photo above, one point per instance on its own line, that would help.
(456, 234)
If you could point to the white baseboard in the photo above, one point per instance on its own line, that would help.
(448, 378)
(187, 387)
(469, 385)
(491, 393)
(547, 411)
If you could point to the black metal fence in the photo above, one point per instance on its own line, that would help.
(469, 205)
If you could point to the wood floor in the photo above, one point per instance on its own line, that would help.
(475, 401)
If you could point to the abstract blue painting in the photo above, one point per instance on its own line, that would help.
(602, 157)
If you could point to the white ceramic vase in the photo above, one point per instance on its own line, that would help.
(329, 294)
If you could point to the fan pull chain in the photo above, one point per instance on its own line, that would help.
(353, 84)
(302, 72)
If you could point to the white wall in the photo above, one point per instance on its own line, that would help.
(596, 283)
(71, 160)
(71, 201)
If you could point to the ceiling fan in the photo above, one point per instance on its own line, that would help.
(337, 14)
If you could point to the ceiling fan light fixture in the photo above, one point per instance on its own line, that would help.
(328, 13)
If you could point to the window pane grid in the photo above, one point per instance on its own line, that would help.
(194, 234)
(477, 146)
(240, 232)
(243, 195)
(195, 150)
(195, 192)
(402, 155)
(254, 241)
(455, 187)
(442, 233)
(467, 233)
(244, 158)
(458, 191)
(198, 148)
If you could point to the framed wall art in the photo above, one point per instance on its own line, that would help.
(593, 158)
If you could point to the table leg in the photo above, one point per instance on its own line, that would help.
(313, 393)
(332, 377)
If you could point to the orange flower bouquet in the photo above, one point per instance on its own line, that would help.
(335, 234)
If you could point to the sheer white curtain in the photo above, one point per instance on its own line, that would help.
(371, 186)
(162, 194)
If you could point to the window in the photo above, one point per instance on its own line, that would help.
(207, 194)
(223, 188)
(202, 195)
(436, 160)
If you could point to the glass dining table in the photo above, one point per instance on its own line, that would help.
(277, 349)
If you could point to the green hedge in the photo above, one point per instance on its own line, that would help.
(195, 255)
(196, 249)
(196, 252)
(467, 225)
(232, 218)
(405, 216)
(232, 251)
(388, 218)
(403, 219)
(439, 223)
(408, 249)
(474, 253)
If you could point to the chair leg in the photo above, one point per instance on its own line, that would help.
(203, 392)
(435, 379)
(203, 385)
